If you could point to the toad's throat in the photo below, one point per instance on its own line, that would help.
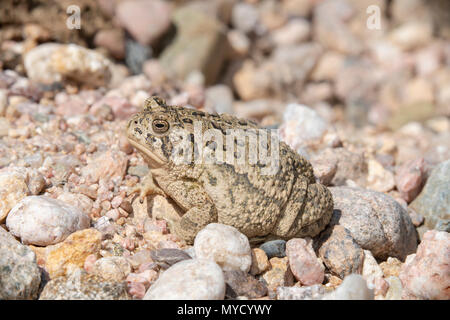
(152, 159)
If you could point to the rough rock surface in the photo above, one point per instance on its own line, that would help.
(19, 273)
(376, 221)
(303, 262)
(426, 274)
(83, 286)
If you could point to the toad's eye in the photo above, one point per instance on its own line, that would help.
(160, 126)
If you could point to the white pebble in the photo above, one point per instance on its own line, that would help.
(225, 245)
(40, 220)
(189, 280)
(354, 287)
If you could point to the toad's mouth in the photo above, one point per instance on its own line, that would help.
(152, 159)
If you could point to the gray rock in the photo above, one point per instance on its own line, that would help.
(433, 202)
(198, 45)
(314, 292)
(274, 248)
(375, 220)
(167, 257)
(340, 252)
(82, 286)
(243, 284)
(19, 273)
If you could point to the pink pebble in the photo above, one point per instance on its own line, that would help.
(89, 263)
(136, 290)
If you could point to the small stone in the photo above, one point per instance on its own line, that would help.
(395, 289)
(13, 188)
(189, 280)
(314, 292)
(260, 262)
(110, 164)
(112, 40)
(303, 262)
(69, 255)
(112, 268)
(168, 257)
(83, 286)
(121, 107)
(19, 273)
(145, 20)
(409, 178)
(412, 34)
(274, 248)
(77, 200)
(426, 274)
(391, 267)
(353, 287)
(53, 62)
(324, 169)
(244, 17)
(302, 127)
(279, 275)
(219, 98)
(239, 43)
(373, 274)
(434, 200)
(294, 32)
(41, 220)
(375, 220)
(378, 178)
(225, 245)
(139, 258)
(244, 284)
(340, 252)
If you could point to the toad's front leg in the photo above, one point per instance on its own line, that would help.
(200, 210)
(146, 187)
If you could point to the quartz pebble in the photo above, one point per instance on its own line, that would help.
(13, 188)
(314, 292)
(260, 262)
(41, 220)
(189, 279)
(303, 262)
(225, 245)
(112, 268)
(425, 274)
(353, 287)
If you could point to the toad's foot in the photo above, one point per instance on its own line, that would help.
(146, 187)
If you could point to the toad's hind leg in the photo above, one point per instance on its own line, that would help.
(317, 211)
(200, 210)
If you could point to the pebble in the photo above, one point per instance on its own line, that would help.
(189, 280)
(353, 287)
(112, 40)
(395, 290)
(53, 62)
(409, 178)
(120, 107)
(112, 268)
(41, 220)
(375, 220)
(244, 17)
(13, 189)
(219, 98)
(260, 262)
(225, 245)
(302, 127)
(78, 200)
(145, 20)
(391, 267)
(111, 164)
(274, 248)
(303, 262)
(340, 253)
(434, 200)
(294, 32)
(378, 178)
(314, 292)
(83, 286)
(200, 37)
(412, 34)
(68, 256)
(168, 257)
(373, 274)
(19, 273)
(426, 274)
(243, 284)
(280, 275)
